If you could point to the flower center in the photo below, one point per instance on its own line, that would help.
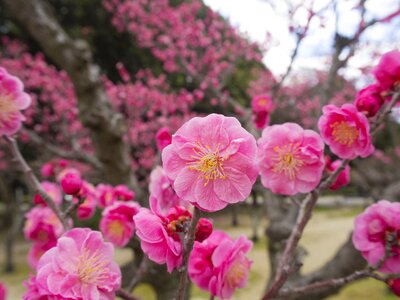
(287, 160)
(263, 102)
(92, 268)
(116, 228)
(236, 273)
(344, 133)
(6, 105)
(208, 162)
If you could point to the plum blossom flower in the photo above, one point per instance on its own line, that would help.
(117, 224)
(12, 100)
(369, 100)
(343, 178)
(159, 237)
(163, 138)
(387, 72)
(32, 292)
(123, 193)
(291, 159)
(53, 190)
(219, 264)
(88, 207)
(346, 131)
(80, 266)
(261, 107)
(162, 193)
(371, 229)
(105, 194)
(211, 162)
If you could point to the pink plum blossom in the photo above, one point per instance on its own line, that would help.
(346, 131)
(369, 100)
(71, 183)
(371, 229)
(3, 292)
(219, 264)
(211, 162)
(88, 207)
(105, 194)
(37, 250)
(32, 292)
(291, 159)
(53, 190)
(47, 170)
(387, 72)
(343, 178)
(123, 193)
(117, 224)
(12, 100)
(159, 238)
(163, 138)
(261, 106)
(162, 194)
(80, 266)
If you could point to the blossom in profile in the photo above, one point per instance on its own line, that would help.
(163, 138)
(88, 195)
(369, 100)
(80, 266)
(123, 193)
(211, 162)
(53, 190)
(346, 131)
(219, 264)
(162, 194)
(387, 72)
(371, 230)
(159, 235)
(343, 178)
(261, 107)
(13, 99)
(3, 292)
(117, 224)
(290, 159)
(105, 194)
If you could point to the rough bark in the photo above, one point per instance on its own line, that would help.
(106, 127)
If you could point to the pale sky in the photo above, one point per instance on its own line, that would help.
(257, 17)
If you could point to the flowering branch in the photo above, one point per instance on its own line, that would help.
(33, 181)
(187, 248)
(305, 213)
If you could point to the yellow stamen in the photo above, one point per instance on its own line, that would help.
(208, 162)
(236, 273)
(287, 160)
(116, 228)
(92, 268)
(344, 133)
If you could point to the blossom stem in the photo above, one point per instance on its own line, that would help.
(33, 181)
(187, 248)
(306, 210)
(125, 295)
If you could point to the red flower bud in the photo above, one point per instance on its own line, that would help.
(204, 229)
(394, 285)
(71, 183)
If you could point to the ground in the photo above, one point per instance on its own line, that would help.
(327, 230)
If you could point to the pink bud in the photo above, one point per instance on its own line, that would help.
(394, 285)
(204, 229)
(163, 138)
(63, 163)
(369, 100)
(71, 183)
(47, 170)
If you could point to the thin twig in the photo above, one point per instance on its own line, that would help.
(140, 272)
(125, 295)
(33, 181)
(187, 248)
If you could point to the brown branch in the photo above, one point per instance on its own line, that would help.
(139, 273)
(187, 248)
(77, 154)
(33, 181)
